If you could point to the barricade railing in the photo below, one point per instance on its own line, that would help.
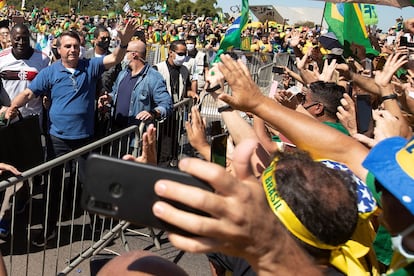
(75, 240)
(170, 133)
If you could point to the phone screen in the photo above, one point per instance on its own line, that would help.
(403, 41)
(278, 70)
(363, 113)
(218, 149)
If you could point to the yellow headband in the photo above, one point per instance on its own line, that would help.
(344, 257)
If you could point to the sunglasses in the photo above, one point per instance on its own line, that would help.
(180, 54)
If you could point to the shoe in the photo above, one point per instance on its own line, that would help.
(4, 228)
(40, 240)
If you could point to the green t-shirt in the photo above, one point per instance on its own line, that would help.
(382, 243)
(337, 126)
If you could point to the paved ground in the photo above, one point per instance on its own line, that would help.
(53, 260)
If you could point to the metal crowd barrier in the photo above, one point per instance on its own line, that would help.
(76, 235)
(79, 236)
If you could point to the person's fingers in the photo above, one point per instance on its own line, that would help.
(341, 114)
(128, 157)
(195, 244)
(244, 67)
(10, 168)
(187, 125)
(152, 133)
(364, 139)
(206, 201)
(216, 177)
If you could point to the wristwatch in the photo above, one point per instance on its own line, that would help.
(225, 107)
(389, 97)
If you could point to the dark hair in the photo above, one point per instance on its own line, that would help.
(323, 199)
(175, 43)
(329, 94)
(99, 29)
(72, 34)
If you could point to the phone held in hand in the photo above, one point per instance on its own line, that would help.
(278, 70)
(125, 190)
(363, 113)
(219, 149)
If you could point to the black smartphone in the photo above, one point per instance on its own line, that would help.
(363, 113)
(403, 41)
(310, 67)
(215, 128)
(278, 70)
(219, 149)
(125, 190)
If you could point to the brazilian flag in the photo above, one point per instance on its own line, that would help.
(347, 22)
(232, 36)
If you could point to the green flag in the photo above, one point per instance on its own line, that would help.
(164, 8)
(346, 21)
(232, 36)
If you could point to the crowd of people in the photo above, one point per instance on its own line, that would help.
(329, 195)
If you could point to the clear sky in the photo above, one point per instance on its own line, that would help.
(386, 15)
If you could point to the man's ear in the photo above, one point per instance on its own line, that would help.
(319, 109)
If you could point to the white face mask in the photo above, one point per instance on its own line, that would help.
(190, 47)
(179, 60)
(126, 61)
(397, 243)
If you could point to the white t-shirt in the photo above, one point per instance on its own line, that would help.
(17, 75)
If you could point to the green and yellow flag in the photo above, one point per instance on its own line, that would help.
(347, 22)
(232, 36)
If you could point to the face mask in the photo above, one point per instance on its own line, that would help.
(103, 44)
(125, 61)
(179, 60)
(55, 53)
(190, 47)
(142, 60)
(397, 243)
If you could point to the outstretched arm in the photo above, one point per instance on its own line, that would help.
(125, 36)
(248, 229)
(19, 101)
(318, 139)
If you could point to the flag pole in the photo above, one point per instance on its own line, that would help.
(323, 14)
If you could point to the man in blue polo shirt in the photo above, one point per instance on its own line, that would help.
(70, 85)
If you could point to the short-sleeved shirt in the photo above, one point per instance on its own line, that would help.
(72, 97)
(17, 74)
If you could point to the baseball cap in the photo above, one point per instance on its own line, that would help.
(391, 161)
